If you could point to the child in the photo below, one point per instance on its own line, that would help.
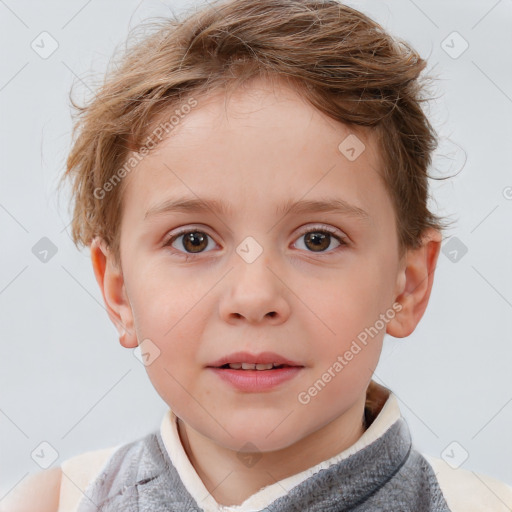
(252, 182)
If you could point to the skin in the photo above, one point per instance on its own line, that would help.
(262, 147)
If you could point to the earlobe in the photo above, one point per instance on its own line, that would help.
(416, 280)
(111, 282)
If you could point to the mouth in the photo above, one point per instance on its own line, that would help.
(254, 366)
(255, 373)
(259, 362)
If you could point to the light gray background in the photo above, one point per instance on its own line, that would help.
(65, 379)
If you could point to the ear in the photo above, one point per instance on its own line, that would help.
(111, 282)
(414, 284)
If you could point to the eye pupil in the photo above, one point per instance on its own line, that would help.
(318, 239)
(196, 238)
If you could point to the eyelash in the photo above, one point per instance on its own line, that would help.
(316, 229)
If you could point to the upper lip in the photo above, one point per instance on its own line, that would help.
(246, 357)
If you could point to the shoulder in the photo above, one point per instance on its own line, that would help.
(78, 473)
(468, 491)
(37, 492)
(58, 489)
(62, 489)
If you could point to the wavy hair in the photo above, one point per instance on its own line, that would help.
(342, 62)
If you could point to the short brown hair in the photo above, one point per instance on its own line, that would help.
(342, 62)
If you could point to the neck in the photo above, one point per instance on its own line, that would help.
(230, 482)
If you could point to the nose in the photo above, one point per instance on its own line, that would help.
(255, 292)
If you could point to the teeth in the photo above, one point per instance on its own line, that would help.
(252, 366)
(262, 366)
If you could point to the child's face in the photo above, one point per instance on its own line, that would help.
(304, 298)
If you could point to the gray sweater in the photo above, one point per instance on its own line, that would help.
(387, 475)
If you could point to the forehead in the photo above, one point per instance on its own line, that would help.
(260, 144)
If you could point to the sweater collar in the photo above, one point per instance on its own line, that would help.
(350, 476)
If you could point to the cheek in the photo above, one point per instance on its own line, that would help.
(349, 306)
(172, 321)
(165, 303)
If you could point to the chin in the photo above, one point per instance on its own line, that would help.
(258, 436)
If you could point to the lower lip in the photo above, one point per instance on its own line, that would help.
(257, 380)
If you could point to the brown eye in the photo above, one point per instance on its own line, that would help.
(192, 241)
(317, 240)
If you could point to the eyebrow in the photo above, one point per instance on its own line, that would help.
(192, 205)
